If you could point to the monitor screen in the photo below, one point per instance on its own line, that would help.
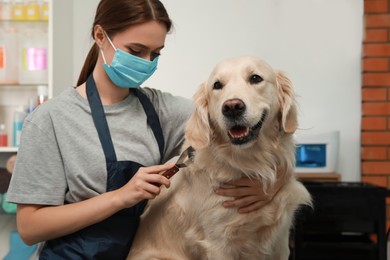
(311, 155)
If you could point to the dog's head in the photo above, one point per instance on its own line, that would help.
(241, 98)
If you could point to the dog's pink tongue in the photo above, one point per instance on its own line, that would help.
(238, 131)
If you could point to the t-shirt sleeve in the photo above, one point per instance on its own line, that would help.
(38, 176)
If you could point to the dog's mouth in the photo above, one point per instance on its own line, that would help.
(239, 134)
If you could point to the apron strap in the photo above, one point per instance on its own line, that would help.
(100, 120)
(153, 120)
(101, 125)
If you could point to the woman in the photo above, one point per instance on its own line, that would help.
(90, 158)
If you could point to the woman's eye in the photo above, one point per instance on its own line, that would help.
(217, 85)
(254, 79)
(154, 55)
(134, 52)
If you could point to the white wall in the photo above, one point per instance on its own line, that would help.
(84, 14)
(316, 42)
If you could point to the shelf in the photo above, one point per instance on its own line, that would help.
(24, 21)
(7, 87)
(16, 35)
(9, 149)
(9, 83)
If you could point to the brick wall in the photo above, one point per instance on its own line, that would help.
(375, 129)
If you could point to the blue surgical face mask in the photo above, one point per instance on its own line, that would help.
(127, 70)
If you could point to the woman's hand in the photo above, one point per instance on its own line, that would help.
(145, 184)
(248, 194)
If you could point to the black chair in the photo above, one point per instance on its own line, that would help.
(348, 221)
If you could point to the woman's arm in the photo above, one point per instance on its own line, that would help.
(37, 223)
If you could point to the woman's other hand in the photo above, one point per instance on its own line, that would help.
(248, 194)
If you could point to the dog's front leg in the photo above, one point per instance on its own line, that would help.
(281, 250)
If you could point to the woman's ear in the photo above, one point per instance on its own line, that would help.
(286, 96)
(197, 132)
(99, 35)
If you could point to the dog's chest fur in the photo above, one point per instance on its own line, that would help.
(194, 188)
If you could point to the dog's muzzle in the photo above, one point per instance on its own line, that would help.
(240, 133)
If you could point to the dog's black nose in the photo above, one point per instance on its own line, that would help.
(233, 108)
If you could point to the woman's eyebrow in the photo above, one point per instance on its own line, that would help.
(140, 45)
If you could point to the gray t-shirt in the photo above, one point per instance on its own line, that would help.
(60, 157)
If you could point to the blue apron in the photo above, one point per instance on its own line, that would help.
(111, 238)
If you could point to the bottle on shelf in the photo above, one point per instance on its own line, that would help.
(32, 10)
(31, 105)
(5, 10)
(1, 10)
(18, 11)
(33, 55)
(3, 56)
(3, 136)
(18, 125)
(8, 54)
(42, 96)
(44, 10)
(42, 91)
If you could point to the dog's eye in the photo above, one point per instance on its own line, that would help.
(254, 79)
(218, 85)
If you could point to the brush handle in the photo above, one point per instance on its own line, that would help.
(169, 173)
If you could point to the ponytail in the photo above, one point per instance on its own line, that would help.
(89, 64)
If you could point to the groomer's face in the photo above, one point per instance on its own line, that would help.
(144, 40)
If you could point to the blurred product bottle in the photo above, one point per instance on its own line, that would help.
(31, 105)
(3, 55)
(44, 10)
(42, 96)
(3, 136)
(18, 125)
(5, 10)
(32, 10)
(33, 55)
(8, 54)
(18, 11)
(42, 91)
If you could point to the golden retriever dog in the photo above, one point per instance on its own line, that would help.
(243, 124)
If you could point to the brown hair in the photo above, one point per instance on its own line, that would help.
(116, 16)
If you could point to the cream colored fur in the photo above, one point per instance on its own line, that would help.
(188, 221)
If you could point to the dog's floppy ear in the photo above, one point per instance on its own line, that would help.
(198, 127)
(287, 101)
